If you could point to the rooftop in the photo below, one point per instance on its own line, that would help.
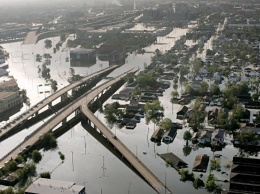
(7, 81)
(82, 51)
(3, 95)
(43, 186)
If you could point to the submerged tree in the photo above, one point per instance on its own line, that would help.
(166, 124)
(154, 112)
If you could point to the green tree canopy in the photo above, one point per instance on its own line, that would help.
(154, 112)
(147, 80)
(166, 124)
(36, 156)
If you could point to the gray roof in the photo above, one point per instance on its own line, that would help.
(44, 186)
(82, 51)
(3, 72)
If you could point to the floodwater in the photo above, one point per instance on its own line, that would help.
(96, 168)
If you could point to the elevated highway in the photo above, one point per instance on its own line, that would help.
(45, 102)
(82, 106)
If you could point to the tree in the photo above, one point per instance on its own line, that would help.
(248, 137)
(230, 96)
(46, 175)
(45, 72)
(54, 84)
(186, 176)
(26, 100)
(186, 150)
(136, 92)
(146, 80)
(166, 124)
(187, 136)
(215, 90)
(129, 78)
(184, 70)
(154, 112)
(196, 66)
(72, 71)
(214, 164)
(198, 183)
(222, 119)
(36, 156)
(49, 142)
(203, 88)
(48, 43)
(62, 157)
(197, 115)
(111, 113)
(211, 186)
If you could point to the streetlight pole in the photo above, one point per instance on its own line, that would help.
(85, 144)
(72, 161)
(165, 182)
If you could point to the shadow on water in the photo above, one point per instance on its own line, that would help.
(7, 114)
(101, 139)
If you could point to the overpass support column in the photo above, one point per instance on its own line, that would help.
(64, 97)
(77, 111)
(64, 121)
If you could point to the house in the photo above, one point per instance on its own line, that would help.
(233, 77)
(255, 143)
(157, 135)
(134, 106)
(253, 74)
(4, 66)
(201, 163)
(198, 78)
(206, 100)
(3, 72)
(174, 160)
(115, 53)
(205, 137)
(147, 96)
(246, 116)
(50, 186)
(169, 136)
(185, 99)
(182, 112)
(217, 137)
(217, 76)
(195, 85)
(130, 125)
(244, 78)
(213, 116)
(83, 55)
(204, 71)
(245, 175)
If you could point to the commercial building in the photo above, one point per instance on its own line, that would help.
(50, 186)
(9, 94)
(83, 55)
(9, 100)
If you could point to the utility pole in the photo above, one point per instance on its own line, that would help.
(72, 161)
(165, 182)
(85, 144)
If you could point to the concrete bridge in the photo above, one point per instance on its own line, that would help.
(152, 180)
(33, 111)
(31, 38)
(82, 106)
